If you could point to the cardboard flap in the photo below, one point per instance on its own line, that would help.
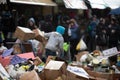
(26, 30)
(24, 34)
(78, 71)
(30, 76)
(39, 35)
(3, 72)
(38, 32)
(54, 65)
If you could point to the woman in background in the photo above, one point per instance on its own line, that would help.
(31, 24)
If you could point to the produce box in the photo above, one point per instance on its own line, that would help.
(104, 76)
(54, 69)
(24, 34)
(39, 35)
(32, 75)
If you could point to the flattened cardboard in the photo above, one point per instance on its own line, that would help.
(54, 65)
(78, 71)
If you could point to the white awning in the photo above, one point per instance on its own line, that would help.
(35, 2)
(3, 1)
(75, 4)
(102, 4)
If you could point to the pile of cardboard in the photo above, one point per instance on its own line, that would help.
(55, 68)
(25, 34)
(59, 70)
(106, 69)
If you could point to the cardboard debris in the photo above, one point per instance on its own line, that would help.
(32, 75)
(54, 65)
(78, 71)
(3, 73)
(6, 60)
(37, 61)
(80, 54)
(24, 34)
(106, 76)
(54, 69)
(39, 35)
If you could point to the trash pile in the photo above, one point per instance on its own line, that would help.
(26, 65)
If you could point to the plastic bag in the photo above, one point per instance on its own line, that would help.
(81, 45)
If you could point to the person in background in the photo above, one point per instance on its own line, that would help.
(73, 37)
(113, 33)
(48, 24)
(31, 24)
(101, 35)
(92, 33)
(21, 20)
(55, 42)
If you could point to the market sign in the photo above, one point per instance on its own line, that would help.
(35, 2)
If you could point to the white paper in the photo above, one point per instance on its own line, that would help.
(54, 65)
(110, 52)
(3, 72)
(78, 71)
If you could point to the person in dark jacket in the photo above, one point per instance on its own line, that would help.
(74, 37)
(101, 35)
(113, 33)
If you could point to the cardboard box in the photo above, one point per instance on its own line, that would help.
(42, 75)
(104, 76)
(54, 69)
(100, 75)
(32, 75)
(24, 34)
(39, 35)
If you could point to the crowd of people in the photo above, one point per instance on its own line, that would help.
(99, 33)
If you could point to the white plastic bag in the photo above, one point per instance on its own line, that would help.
(81, 45)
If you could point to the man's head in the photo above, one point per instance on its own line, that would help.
(60, 29)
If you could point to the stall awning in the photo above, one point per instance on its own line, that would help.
(3, 1)
(75, 4)
(100, 4)
(35, 2)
